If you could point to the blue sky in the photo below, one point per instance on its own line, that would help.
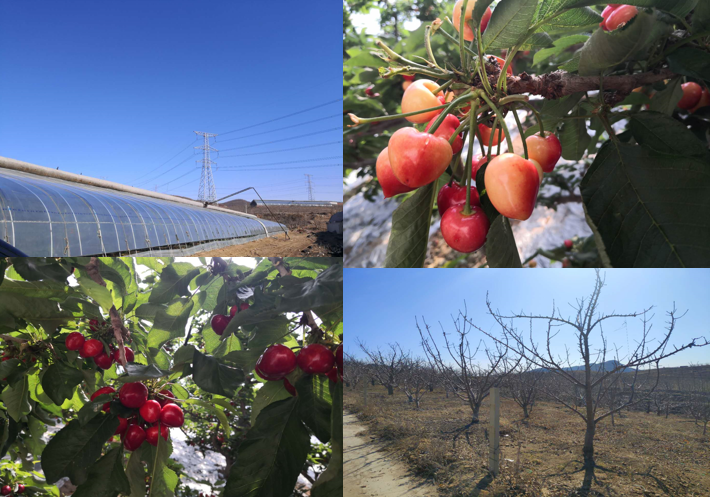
(115, 90)
(381, 304)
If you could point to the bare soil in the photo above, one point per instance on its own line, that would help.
(642, 454)
(308, 232)
(371, 472)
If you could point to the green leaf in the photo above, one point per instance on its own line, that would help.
(410, 229)
(690, 62)
(314, 405)
(558, 47)
(536, 41)
(509, 24)
(362, 58)
(93, 408)
(701, 17)
(574, 137)
(272, 455)
(173, 282)
(75, 448)
(162, 479)
(574, 20)
(479, 10)
(135, 471)
(265, 333)
(59, 381)
(562, 106)
(136, 372)
(99, 293)
(501, 250)
(330, 483)
(270, 392)
(666, 100)
(650, 210)
(606, 50)
(106, 477)
(663, 135)
(170, 323)
(212, 376)
(217, 412)
(36, 269)
(15, 398)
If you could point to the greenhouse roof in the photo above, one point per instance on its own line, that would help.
(49, 213)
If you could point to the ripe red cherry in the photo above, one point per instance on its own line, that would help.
(409, 78)
(151, 435)
(6, 490)
(485, 135)
(130, 356)
(122, 425)
(546, 151)
(512, 184)
(233, 311)
(333, 375)
(703, 102)
(418, 158)
(339, 358)
(691, 95)
(369, 92)
(454, 194)
(219, 323)
(465, 233)
(446, 130)
(104, 390)
(74, 341)
(171, 415)
(134, 437)
(94, 324)
(315, 358)
(20, 488)
(150, 411)
(103, 360)
(289, 387)
(244, 306)
(390, 184)
(133, 394)
(276, 362)
(568, 244)
(91, 348)
(620, 16)
(164, 401)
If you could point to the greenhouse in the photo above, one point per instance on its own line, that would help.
(49, 213)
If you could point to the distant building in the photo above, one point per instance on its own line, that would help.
(256, 203)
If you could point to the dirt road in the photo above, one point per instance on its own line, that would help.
(373, 472)
(300, 244)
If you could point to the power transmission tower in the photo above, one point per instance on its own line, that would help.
(309, 185)
(207, 190)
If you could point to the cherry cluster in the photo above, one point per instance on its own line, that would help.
(151, 416)
(6, 490)
(94, 348)
(278, 360)
(219, 321)
(617, 15)
(24, 356)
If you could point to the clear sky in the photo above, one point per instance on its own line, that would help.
(381, 304)
(115, 90)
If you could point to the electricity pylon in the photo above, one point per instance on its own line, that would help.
(309, 186)
(207, 190)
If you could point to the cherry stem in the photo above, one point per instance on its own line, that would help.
(399, 58)
(462, 24)
(440, 119)
(492, 137)
(520, 131)
(482, 63)
(358, 121)
(443, 87)
(502, 123)
(454, 39)
(537, 117)
(468, 166)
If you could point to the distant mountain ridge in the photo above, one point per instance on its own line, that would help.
(605, 367)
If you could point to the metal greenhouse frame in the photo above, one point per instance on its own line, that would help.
(49, 213)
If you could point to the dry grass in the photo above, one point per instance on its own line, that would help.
(642, 455)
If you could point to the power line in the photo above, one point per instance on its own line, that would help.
(282, 117)
(283, 150)
(238, 167)
(282, 139)
(283, 128)
(148, 173)
(169, 170)
(289, 168)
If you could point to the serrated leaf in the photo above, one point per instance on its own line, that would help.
(270, 392)
(651, 211)
(60, 380)
(562, 106)
(330, 483)
(701, 17)
(15, 398)
(691, 62)
(666, 100)
(509, 24)
(212, 376)
(75, 448)
(574, 137)
(174, 280)
(169, 323)
(162, 479)
(272, 454)
(136, 372)
(559, 46)
(314, 405)
(410, 229)
(501, 250)
(135, 472)
(662, 134)
(106, 477)
(573, 20)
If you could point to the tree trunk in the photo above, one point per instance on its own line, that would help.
(612, 419)
(417, 403)
(705, 428)
(588, 452)
(390, 390)
(347, 384)
(476, 409)
(447, 393)
(525, 411)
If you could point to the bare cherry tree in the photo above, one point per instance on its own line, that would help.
(386, 364)
(636, 369)
(468, 371)
(414, 379)
(354, 370)
(523, 386)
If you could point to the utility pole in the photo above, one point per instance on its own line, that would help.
(207, 190)
(309, 185)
